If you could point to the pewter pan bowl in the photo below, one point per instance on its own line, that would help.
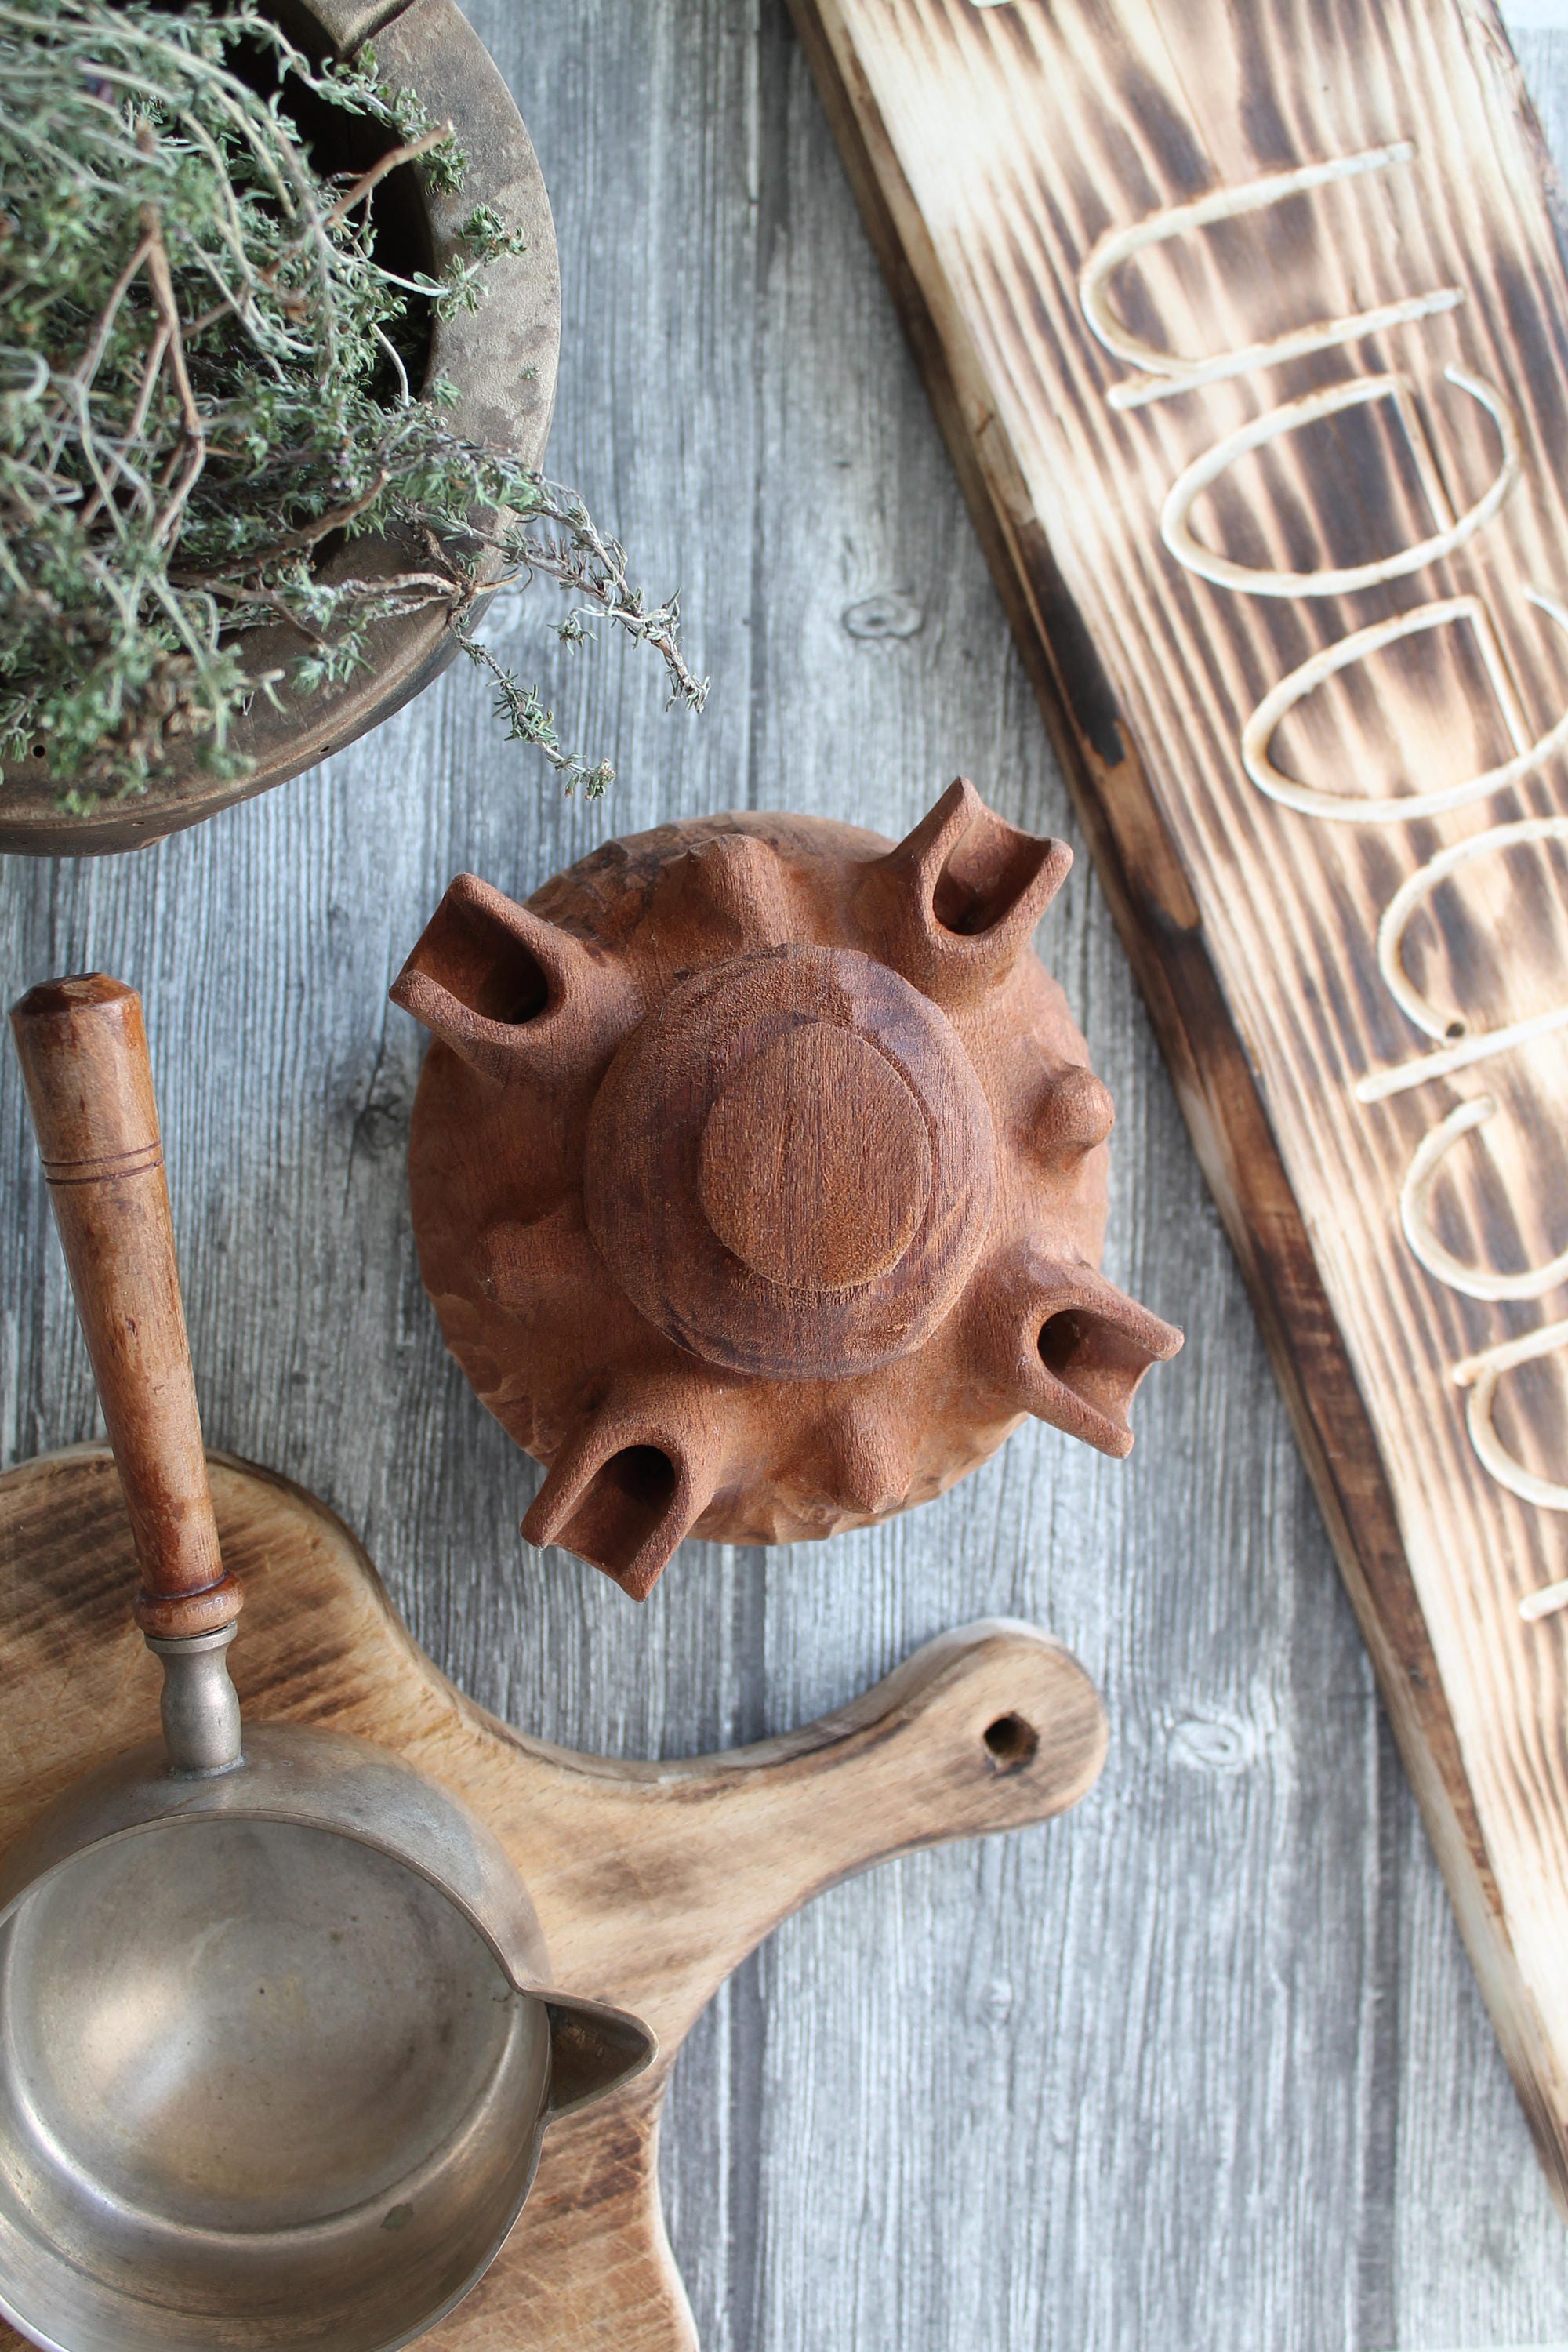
(275, 2054)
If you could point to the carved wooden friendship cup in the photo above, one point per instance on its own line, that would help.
(759, 1177)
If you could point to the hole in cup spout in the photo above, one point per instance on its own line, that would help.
(480, 959)
(989, 870)
(623, 1503)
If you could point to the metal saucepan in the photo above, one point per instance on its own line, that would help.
(276, 2056)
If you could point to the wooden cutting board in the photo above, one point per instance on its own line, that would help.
(1247, 329)
(652, 1880)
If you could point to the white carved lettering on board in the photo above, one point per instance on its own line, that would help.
(1168, 372)
(1163, 375)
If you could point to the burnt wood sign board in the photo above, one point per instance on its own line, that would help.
(651, 1881)
(1248, 331)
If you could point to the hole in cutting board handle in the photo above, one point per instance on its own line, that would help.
(1012, 1743)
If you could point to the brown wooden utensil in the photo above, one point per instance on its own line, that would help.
(276, 2048)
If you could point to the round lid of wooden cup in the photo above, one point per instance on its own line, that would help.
(791, 1166)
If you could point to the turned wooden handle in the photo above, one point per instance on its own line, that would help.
(89, 1088)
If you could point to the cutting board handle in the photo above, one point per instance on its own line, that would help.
(83, 1051)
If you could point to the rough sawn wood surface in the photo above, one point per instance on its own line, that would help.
(1203, 2066)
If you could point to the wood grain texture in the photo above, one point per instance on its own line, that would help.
(759, 1177)
(83, 1046)
(1001, 155)
(1000, 2095)
(654, 1880)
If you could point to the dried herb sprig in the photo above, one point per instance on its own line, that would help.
(206, 374)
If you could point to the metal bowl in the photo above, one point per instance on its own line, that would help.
(276, 2056)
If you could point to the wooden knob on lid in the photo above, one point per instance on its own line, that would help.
(790, 1165)
(815, 1164)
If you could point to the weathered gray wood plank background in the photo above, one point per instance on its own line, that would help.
(1202, 2065)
